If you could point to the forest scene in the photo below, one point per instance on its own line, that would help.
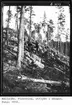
(36, 49)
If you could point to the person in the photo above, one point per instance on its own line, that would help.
(37, 46)
(30, 47)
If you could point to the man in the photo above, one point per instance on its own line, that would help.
(37, 46)
(30, 47)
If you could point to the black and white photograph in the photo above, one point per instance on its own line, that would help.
(36, 49)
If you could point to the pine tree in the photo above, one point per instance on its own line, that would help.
(16, 16)
(61, 25)
(44, 19)
(8, 21)
(17, 28)
(30, 21)
(67, 34)
(21, 38)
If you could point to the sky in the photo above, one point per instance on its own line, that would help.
(51, 13)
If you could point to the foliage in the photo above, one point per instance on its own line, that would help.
(61, 20)
(9, 13)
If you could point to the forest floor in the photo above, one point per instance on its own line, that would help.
(32, 79)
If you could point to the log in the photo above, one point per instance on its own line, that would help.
(59, 70)
(11, 52)
(62, 62)
(39, 64)
(59, 54)
(65, 63)
(35, 59)
(22, 77)
(14, 51)
(11, 46)
(14, 41)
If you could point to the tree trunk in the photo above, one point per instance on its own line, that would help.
(17, 18)
(7, 28)
(66, 49)
(30, 20)
(17, 29)
(21, 39)
(48, 33)
(22, 77)
(58, 38)
(66, 45)
(62, 48)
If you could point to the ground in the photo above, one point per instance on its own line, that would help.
(13, 82)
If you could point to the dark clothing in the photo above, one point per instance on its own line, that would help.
(37, 46)
(30, 47)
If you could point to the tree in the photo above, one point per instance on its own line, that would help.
(44, 23)
(18, 10)
(61, 24)
(16, 15)
(19, 19)
(67, 34)
(44, 19)
(30, 19)
(50, 29)
(31, 14)
(8, 21)
(21, 38)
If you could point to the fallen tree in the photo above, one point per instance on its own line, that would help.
(59, 58)
(56, 83)
(59, 70)
(35, 59)
(14, 54)
(22, 77)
